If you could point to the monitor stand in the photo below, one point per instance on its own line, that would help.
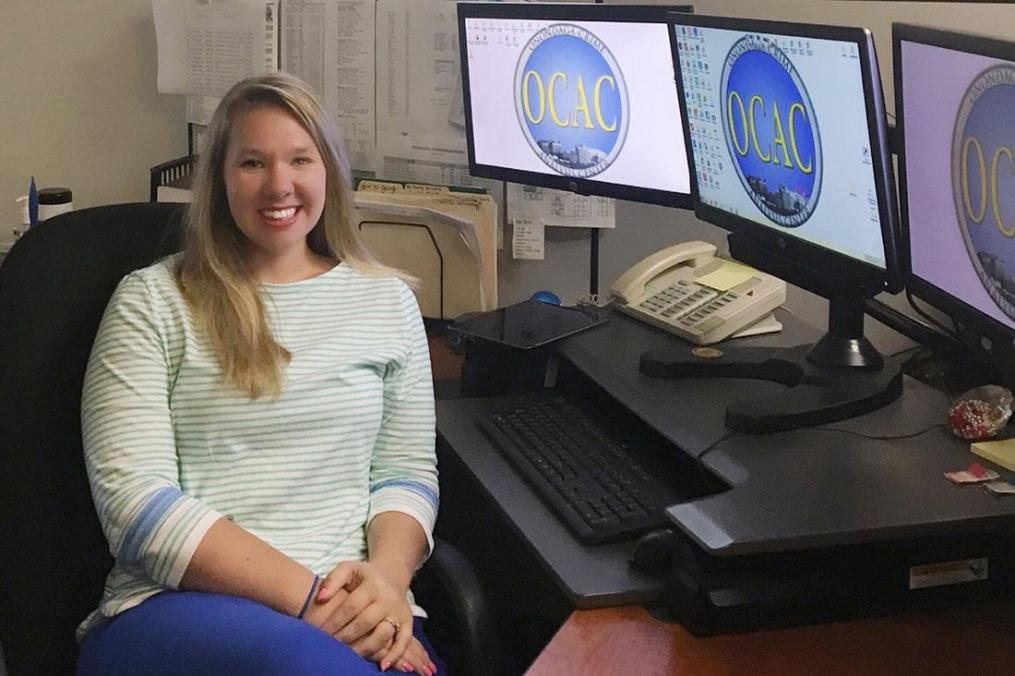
(840, 377)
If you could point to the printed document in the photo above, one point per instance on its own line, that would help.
(330, 44)
(527, 240)
(420, 120)
(559, 208)
(206, 47)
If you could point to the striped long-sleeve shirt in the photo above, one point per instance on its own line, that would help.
(170, 449)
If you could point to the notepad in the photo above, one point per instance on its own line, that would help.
(1002, 452)
(726, 277)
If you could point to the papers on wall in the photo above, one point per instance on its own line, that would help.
(531, 209)
(330, 44)
(201, 108)
(420, 114)
(557, 208)
(528, 239)
(387, 70)
(204, 47)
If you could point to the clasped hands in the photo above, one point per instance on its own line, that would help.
(361, 605)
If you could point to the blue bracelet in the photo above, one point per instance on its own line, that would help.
(310, 596)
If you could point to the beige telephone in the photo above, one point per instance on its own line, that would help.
(687, 290)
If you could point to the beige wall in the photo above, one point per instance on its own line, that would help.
(78, 106)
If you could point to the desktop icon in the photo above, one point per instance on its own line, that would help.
(571, 100)
(983, 169)
(771, 130)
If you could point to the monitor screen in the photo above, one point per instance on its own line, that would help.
(786, 130)
(955, 102)
(576, 97)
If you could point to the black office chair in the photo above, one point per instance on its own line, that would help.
(54, 286)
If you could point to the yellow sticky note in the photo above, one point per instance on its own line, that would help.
(1002, 452)
(725, 278)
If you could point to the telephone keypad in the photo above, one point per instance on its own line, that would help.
(678, 301)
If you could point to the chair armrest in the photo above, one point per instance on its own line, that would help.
(460, 626)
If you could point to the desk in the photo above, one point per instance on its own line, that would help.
(796, 490)
(628, 639)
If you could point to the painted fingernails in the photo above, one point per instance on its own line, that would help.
(405, 666)
(385, 664)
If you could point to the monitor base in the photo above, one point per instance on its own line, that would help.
(815, 395)
(839, 352)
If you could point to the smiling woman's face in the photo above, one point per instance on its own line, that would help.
(275, 184)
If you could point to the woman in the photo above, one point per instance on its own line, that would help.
(258, 424)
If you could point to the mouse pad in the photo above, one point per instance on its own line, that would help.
(528, 324)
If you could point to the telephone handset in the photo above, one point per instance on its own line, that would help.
(687, 290)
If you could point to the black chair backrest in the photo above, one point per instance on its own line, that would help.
(54, 285)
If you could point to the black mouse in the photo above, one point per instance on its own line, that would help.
(653, 552)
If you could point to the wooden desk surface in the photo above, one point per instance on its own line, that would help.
(628, 640)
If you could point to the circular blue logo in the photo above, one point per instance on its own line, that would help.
(983, 181)
(771, 131)
(571, 100)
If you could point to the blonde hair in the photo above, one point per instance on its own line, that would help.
(213, 272)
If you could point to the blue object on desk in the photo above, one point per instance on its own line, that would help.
(546, 297)
(33, 203)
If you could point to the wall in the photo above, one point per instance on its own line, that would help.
(78, 106)
(642, 228)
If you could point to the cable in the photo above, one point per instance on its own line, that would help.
(793, 428)
(874, 436)
(965, 341)
(950, 332)
(913, 348)
(597, 301)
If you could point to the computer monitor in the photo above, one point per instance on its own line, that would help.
(955, 97)
(574, 97)
(786, 127)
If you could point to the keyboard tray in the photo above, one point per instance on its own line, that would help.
(599, 485)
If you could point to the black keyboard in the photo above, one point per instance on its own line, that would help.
(589, 480)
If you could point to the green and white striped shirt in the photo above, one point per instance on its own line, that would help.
(170, 449)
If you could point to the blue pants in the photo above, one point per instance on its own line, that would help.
(200, 633)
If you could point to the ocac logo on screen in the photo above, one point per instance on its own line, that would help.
(771, 131)
(571, 100)
(983, 180)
